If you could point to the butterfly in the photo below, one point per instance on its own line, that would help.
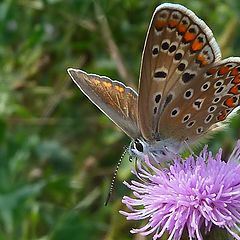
(184, 87)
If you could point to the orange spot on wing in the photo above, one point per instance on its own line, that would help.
(119, 89)
(197, 45)
(234, 72)
(182, 28)
(159, 24)
(236, 79)
(202, 59)
(223, 70)
(230, 102)
(234, 90)
(172, 23)
(107, 84)
(212, 70)
(189, 36)
(221, 117)
(96, 81)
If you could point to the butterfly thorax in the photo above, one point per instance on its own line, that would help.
(161, 148)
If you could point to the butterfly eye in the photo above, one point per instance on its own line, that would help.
(138, 146)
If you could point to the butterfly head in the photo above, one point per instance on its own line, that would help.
(140, 148)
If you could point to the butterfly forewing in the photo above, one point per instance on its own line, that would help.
(116, 100)
(178, 47)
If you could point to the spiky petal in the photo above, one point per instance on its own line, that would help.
(194, 193)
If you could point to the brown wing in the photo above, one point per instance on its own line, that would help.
(113, 98)
(177, 47)
(208, 98)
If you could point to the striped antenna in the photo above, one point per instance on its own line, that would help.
(114, 177)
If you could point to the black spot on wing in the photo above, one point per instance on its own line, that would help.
(160, 75)
(186, 77)
(158, 98)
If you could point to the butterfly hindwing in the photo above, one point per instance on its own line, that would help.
(178, 47)
(209, 99)
(113, 98)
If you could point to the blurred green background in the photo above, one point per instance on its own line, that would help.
(57, 150)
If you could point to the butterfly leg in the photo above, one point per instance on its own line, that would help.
(171, 152)
(137, 167)
(189, 148)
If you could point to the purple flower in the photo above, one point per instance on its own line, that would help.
(192, 194)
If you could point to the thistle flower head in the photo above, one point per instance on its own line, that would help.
(192, 194)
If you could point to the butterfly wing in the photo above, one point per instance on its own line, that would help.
(113, 98)
(178, 46)
(211, 96)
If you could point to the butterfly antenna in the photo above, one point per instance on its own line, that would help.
(114, 177)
